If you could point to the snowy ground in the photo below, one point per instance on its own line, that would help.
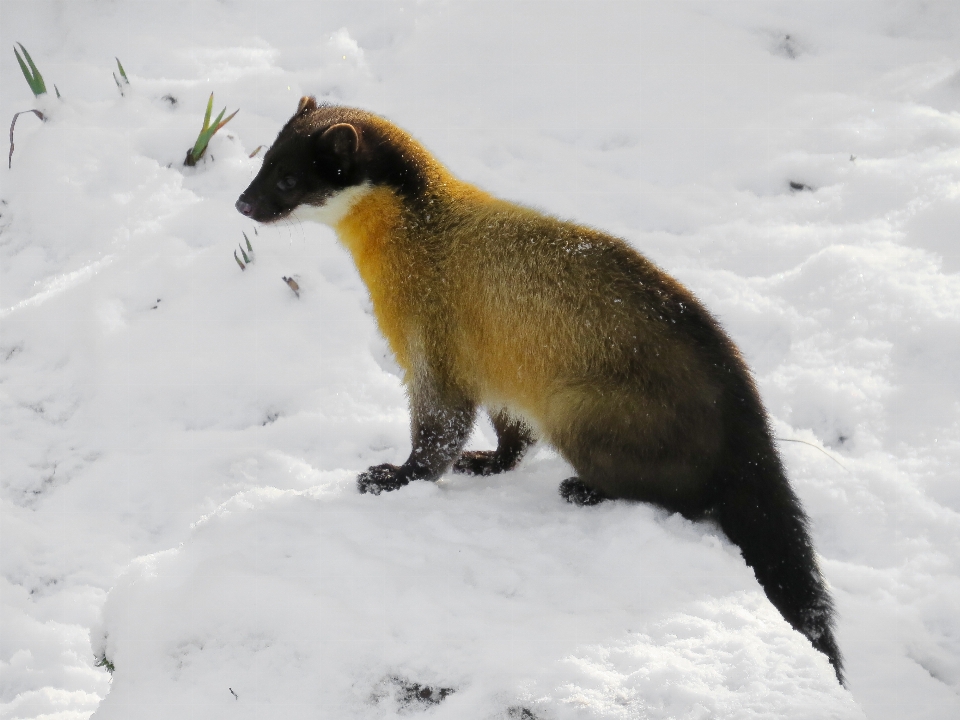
(179, 439)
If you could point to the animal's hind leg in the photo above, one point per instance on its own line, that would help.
(613, 462)
(513, 439)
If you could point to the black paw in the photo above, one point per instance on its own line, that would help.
(481, 462)
(573, 490)
(382, 477)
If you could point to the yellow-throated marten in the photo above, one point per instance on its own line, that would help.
(558, 330)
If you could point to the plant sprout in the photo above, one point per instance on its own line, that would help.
(206, 132)
(103, 662)
(32, 75)
(123, 74)
(13, 124)
(247, 259)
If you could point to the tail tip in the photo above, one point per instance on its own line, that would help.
(824, 641)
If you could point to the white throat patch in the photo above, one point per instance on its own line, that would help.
(335, 209)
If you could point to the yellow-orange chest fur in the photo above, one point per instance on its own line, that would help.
(373, 233)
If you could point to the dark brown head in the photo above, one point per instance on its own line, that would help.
(325, 150)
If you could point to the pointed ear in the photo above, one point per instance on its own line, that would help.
(307, 103)
(342, 139)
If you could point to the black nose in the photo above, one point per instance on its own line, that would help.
(244, 207)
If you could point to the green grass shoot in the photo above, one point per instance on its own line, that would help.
(247, 259)
(33, 76)
(206, 132)
(126, 80)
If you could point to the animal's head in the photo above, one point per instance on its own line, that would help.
(325, 157)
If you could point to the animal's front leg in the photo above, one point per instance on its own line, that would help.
(440, 422)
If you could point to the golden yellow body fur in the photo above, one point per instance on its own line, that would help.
(522, 311)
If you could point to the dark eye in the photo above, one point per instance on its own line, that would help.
(287, 183)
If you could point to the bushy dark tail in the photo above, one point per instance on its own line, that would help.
(759, 512)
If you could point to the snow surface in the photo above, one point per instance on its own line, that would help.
(179, 439)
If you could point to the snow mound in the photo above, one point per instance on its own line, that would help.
(324, 601)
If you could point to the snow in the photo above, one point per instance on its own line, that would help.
(180, 439)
